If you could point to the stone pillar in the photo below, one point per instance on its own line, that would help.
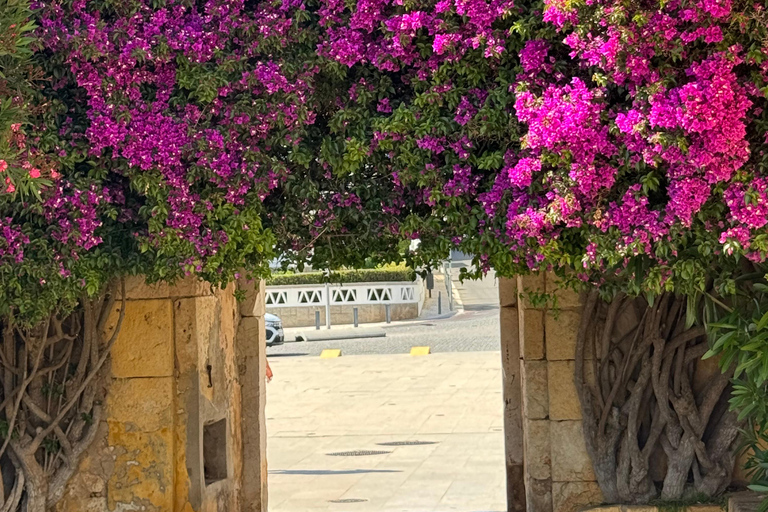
(170, 440)
(251, 362)
(512, 393)
(558, 471)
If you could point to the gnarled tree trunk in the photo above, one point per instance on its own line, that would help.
(50, 405)
(635, 368)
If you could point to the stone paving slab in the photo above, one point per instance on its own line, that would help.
(321, 406)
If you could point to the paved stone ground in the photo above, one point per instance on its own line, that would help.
(320, 406)
(451, 399)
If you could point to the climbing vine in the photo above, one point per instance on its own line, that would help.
(52, 397)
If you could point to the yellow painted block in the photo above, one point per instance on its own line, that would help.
(330, 353)
(419, 351)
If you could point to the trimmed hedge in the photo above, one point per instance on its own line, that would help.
(373, 275)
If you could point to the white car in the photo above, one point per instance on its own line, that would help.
(275, 334)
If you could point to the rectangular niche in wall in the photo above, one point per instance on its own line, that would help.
(215, 451)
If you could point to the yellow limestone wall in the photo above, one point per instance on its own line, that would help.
(558, 474)
(176, 368)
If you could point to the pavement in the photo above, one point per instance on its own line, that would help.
(443, 411)
(453, 401)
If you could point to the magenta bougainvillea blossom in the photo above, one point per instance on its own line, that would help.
(193, 137)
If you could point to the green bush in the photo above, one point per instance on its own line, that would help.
(374, 275)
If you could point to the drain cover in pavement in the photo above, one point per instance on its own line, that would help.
(348, 500)
(358, 453)
(406, 443)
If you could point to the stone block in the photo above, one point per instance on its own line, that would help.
(508, 327)
(536, 390)
(639, 508)
(143, 475)
(254, 302)
(560, 334)
(745, 501)
(538, 495)
(136, 288)
(570, 460)
(144, 346)
(566, 297)
(194, 320)
(507, 292)
(537, 449)
(606, 508)
(563, 400)
(535, 283)
(533, 345)
(573, 496)
(141, 405)
(191, 287)
(704, 508)
(250, 331)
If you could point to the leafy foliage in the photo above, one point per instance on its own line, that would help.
(739, 337)
(344, 276)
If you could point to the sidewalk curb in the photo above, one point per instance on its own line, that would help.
(457, 302)
(338, 335)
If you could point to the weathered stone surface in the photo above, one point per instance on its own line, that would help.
(511, 367)
(533, 347)
(538, 495)
(704, 508)
(572, 496)
(566, 298)
(606, 508)
(249, 333)
(253, 303)
(570, 461)
(537, 448)
(250, 351)
(136, 288)
(534, 283)
(563, 399)
(86, 490)
(536, 390)
(148, 455)
(509, 330)
(561, 331)
(191, 287)
(507, 292)
(144, 346)
(639, 508)
(141, 405)
(143, 471)
(745, 501)
(194, 320)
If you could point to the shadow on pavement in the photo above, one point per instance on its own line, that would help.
(289, 354)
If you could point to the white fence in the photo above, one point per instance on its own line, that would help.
(355, 294)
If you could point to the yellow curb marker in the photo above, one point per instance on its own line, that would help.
(330, 353)
(419, 351)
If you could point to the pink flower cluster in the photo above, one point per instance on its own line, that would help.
(664, 141)
(386, 35)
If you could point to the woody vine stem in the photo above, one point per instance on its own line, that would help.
(52, 398)
(642, 408)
